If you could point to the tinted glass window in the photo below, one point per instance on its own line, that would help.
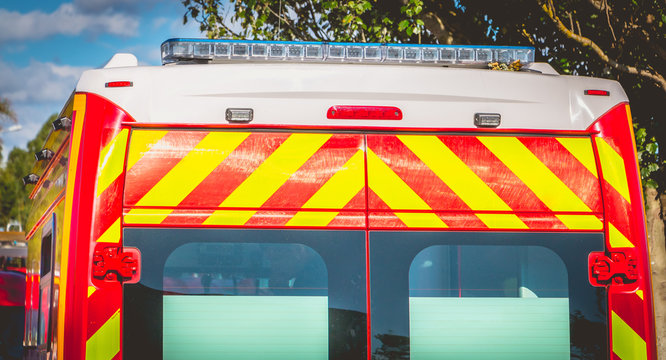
(505, 302)
(246, 294)
(279, 295)
(455, 295)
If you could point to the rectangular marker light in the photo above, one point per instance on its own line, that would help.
(203, 50)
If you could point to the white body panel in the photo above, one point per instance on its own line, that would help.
(291, 94)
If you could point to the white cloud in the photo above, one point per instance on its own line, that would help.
(36, 91)
(103, 6)
(38, 82)
(65, 20)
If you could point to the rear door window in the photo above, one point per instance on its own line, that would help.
(246, 294)
(485, 296)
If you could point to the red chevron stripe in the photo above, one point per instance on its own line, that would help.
(158, 161)
(618, 211)
(102, 304)
(417, 175)
(567, 168)
(108, 207)
(385, 220)
(348, 219)
(543, 221)
(494, 173)
(314, 173)
(462, 221)
(375, 203)
(187, 217)
(240, 164)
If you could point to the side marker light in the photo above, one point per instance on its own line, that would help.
(30, 179)
(487, 120)
(64, 123)
(44, 154)
(236, 115)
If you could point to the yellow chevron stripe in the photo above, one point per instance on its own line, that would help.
(341, 187)
(530, 170)
(398, 195)
(191, 170)
(91, 290)
(454, 173)
(229, 217)
(105, 343)
(312, 218)
(275, 170)
(627, 344)
(581, 149)
(111, 161)
(421, 220)
(640, 294)
(616, 239)
(581, 222)
(146, 216)
(269, 177)
(334, 194)
(112, 234)
(502, 221)
(141, 142)
(613, 169)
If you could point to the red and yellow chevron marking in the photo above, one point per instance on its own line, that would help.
(245, 173)
(311, 179)
(630, 316)
(259, 219)
(105, 297)
(498, 182)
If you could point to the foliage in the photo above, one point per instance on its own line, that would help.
(14, 202)
(623, 40)
(6, 112)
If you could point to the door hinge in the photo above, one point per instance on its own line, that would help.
(615, 268)
(116, 263)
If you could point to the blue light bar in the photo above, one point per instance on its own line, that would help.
(203, 50)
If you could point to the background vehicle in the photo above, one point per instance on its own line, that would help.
(344, 201)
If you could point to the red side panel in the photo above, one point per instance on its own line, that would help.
(630, 301)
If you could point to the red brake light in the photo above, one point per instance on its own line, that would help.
(597, 92)
(351, 112)
(113, 84)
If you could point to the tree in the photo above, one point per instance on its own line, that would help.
(623, 40)
(14, 201)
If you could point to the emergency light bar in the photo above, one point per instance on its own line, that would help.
(203, 50)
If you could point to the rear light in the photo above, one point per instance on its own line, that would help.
(115, 84)
(352, 112)
(597, 92)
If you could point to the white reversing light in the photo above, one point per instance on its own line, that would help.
(193, 50)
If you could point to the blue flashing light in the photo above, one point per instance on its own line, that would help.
(205, 50)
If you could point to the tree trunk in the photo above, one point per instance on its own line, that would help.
(655, 209)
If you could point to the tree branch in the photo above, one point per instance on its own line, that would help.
(654, 76)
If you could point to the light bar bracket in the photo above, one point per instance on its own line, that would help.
(207, 51)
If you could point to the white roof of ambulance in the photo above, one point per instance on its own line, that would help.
(301, 93)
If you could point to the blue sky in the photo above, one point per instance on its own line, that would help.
(46, 45)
